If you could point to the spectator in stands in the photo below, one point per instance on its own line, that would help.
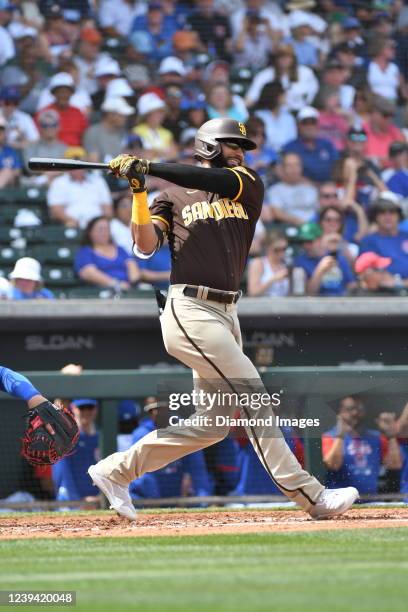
(334, 122)
(157, 141)
(171, 71)
(335, 75)
(116, 19)
(100, 262)
(128, 420)
(175, 120)
(352, 36)
(78, 196)
(293, 199)
(10, 163)
(55, 30)
(70, 475)
(355, 70)
(354, 220)
(120, 224)
(362, 107)
(26, 281)
(220, 104)
(358, 175)
(21, 129)
(263, 159)
(401, 39)
(381, 131)
(168, 481)
(328, 272)
(299, 82)
(396, 177)
(7, 49)
(79, 99)
(105, 139)
(222, 461)
(151, 33)
(317, 154)
(280, 126)
(254, 43)
(383, 75)
(88, 53)
(331, 221)
(73, 122)
(106, 70)
(354, 454)
(388, 240)
(5, 289)
(373, 278)
(48, 145)
(301, 31)
(268, 276)
(213, 29)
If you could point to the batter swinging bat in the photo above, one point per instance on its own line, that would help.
(44, 164)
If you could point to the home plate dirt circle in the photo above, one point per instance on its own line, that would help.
(173, 523)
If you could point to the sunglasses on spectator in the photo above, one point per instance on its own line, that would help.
(332, 194)
(358, 137)
(281, 249)
(309, 121)
(333, 218)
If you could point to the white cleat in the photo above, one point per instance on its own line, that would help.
(118, 495)
(333, 502)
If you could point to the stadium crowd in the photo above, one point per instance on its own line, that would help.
(322, 86)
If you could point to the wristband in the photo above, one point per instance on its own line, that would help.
(140, 209)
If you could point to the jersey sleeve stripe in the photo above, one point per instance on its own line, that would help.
(159, 218)
(241, 185)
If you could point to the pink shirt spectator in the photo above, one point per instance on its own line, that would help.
(334, 127)
(378, 142)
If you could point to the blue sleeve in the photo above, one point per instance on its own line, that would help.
(366, 245)
(17, 163)
(16, 384)
(64, 481)
(83, 258)
(195, 465)
(347, 271)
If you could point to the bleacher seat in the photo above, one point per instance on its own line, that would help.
(53, 253)
(51, 233)
(9, 255)
(24, 196)
(60, 276)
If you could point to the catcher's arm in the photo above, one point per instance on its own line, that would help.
(19, 386)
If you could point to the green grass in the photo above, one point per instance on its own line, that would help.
(328, 570)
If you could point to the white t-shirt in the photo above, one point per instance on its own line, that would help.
(301, 200)
(279, 129)
(384, 82)
(83, 200)
(119, 14)
(21, 126)
(298, 93)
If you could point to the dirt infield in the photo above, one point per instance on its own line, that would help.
(71, 525)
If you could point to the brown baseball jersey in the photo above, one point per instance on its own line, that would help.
(210, 236)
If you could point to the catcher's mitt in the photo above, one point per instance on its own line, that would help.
(51, 434)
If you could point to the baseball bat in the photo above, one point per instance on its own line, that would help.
(42, 164)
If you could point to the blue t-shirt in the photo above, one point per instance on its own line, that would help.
(9, 158)
(156, 46)
(43, 293)
(266, 155)
(70, 475)
(398, 183)
(317, 162)
(116, 267)
(335, 281)
(160, 262)
(395, 247)
(404, 471)
(361, 464)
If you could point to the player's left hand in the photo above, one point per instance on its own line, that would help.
(123, 165)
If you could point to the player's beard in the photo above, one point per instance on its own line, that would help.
(222, 162)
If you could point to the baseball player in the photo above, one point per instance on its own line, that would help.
(209, 218)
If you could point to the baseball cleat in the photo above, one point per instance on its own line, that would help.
(118, 495)
(333, 502)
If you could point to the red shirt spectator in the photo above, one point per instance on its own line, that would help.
(381, 132)
(73, 122)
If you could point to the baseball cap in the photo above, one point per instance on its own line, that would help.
(397, 147)
(196, 103)
(116, 104)
(84, 401)
(48, 118)
(127, 410)
(91, 35)
(61, 79)
(10, 92)
(134, 140)
(371, 260)
(387, 201)
(308, 112)
(148, 103)
(153, 406)
(357, 135)
(54, 12)
(27, 268)
(308, 232)
(154, 6)
(172, 64)
(350, 23)
(19, 30)
(118, 87)
(71, 15)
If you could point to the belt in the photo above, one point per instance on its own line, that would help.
(216, 295)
